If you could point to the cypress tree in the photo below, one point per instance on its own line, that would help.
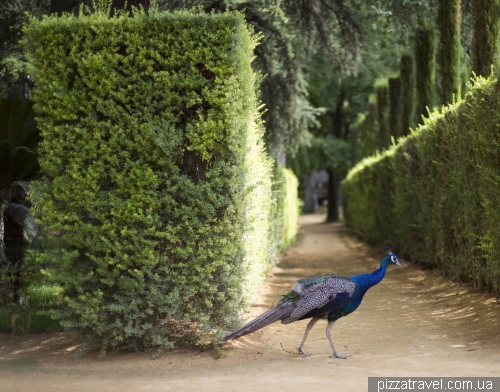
(395, 107)
(407, 91)
(449, 48)
(425, 58)
(382, 112)
(369, 132)
(485, 40)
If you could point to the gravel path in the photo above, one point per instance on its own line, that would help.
(413, 323)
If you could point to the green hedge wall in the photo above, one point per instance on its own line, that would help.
(435, 195)
(157, 187)
(286, 209)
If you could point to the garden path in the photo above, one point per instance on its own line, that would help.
(414, 323)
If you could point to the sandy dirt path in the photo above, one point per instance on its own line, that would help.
(413, 323)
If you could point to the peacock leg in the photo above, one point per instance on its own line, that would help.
(311, 323)
(329, 336)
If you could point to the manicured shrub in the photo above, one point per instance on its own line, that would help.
(435, 195)
(156, 185)
(285, 211)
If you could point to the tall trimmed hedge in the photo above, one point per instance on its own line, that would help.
(285, 211)
(157, 188)
(435, 195)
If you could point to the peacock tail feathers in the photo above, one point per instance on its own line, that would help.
(280, 311)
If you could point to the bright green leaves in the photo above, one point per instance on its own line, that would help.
(435, 195)
(157, 189)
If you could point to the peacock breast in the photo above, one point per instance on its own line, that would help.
(349, 305)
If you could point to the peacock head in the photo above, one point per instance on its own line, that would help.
(391, 258)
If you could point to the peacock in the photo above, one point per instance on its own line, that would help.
(322, 297)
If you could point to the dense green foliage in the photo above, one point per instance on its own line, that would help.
(425, 59)
(19, 137)
(384, 133)
(322, 153)
(392, 106)
(407, 75)
(485, 43)
(285, 211)
(435, 195)
(395, 107)
(31, 313)
(293, 32)
(12, 60)
(368, 132)
(157, 189)
(449, 52)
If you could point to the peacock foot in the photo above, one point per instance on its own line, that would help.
(340, 355)
(301, 350)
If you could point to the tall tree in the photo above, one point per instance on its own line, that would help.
(449, 53)
(293, 31)
(369, 132)
(407, 76)
(486, 16)
(395, 105)
(425, 58)
(384, 138)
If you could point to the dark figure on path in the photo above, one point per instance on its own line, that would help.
(320, 193)
(321, 297)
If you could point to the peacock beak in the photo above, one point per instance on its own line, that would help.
(399, 263)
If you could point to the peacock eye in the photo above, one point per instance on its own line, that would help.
(393, 259)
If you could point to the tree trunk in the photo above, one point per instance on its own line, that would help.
(333, 208)
(338, 115)
(309, 200)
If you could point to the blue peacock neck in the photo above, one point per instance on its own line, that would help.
(365, 281)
